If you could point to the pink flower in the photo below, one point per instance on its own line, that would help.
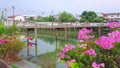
(61, 55)
(30, 46)
(28, 38)
(82, 34)
(105, 42)
(96, 65)
(113, 25)
(67, 47)
(5, 41)
(115, 35)
(83, 45)
(91, 52)
(102, 65)
(67, 64)
(72, 60)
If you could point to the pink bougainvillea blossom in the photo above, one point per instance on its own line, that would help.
(67, 47)
(113, 24)
(105, 42)
(3, 41)
(30, 45)
(115, 35)
(96, 65)
(83, 34)
(91, 52)
(28, 38)
(61, 54)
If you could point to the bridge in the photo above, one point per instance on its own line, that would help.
(55, 24)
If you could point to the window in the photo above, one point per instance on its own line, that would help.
(118, 15)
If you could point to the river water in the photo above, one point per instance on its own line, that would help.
(45, 52)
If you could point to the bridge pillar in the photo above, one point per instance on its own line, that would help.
(27, 35)
(65, 34)
(99, 31)
(35, 41)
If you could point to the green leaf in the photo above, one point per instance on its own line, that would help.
(73, 65)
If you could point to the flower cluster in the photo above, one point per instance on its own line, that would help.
(67, 48)
(96, 65)
(105, 42)
(82, 34)
(3, 41)
(90, 52)
(115, 35)
(82, 55)
(113, 24)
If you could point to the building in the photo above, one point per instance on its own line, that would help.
(20, 18)
(111, 17)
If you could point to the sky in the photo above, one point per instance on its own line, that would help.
(45, 7)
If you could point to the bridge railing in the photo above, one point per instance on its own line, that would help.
(56, 24)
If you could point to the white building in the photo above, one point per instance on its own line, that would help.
(112, 17)
(20, 18)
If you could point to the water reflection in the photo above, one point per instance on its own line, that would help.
(45, 52)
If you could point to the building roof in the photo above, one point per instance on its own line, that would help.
(111, 14)
(13, 16)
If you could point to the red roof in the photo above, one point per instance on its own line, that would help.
(12, 16)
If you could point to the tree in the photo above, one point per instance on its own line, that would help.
(88, 16)
(66, 17)
(44, 19)
(51, 18)
(31, 19)
(39, 18)
(82, 20)
(98, 19)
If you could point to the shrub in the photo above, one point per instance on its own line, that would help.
(10, 46)
(103, 52)
(10, 30)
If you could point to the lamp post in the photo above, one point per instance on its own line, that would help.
(13, 7)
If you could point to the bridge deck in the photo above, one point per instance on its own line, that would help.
(56, 25)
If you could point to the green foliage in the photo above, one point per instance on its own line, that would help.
(98, 19)
(90, 16)
(51, 18)
(10, 30)
(2, 29)
(31, 19)
(39, 18)
(82, 20)
(74, 65)
(66, 17)
(44, 19)
(13, 66)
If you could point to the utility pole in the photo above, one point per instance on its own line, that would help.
(2, 17)
(5, 14)
(52, 19)
(13, 7)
